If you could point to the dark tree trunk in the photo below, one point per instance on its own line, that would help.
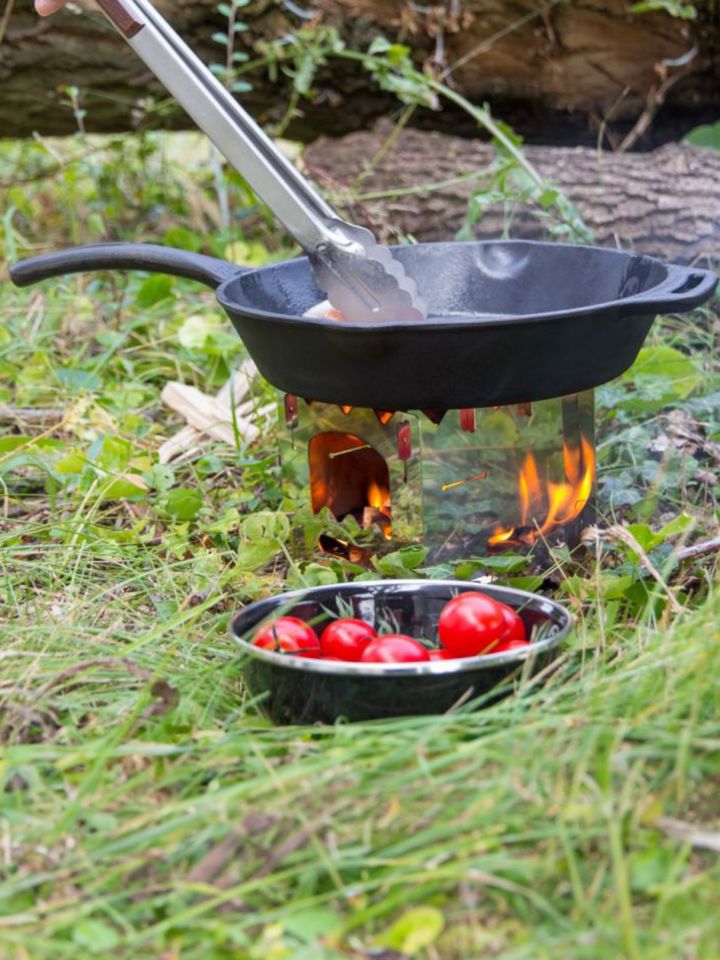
(555, 70)
(665, 202)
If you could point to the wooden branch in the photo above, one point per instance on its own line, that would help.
(699, 549)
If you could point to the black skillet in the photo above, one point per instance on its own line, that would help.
(509, 321)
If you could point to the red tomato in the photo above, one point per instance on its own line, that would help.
(346, 639)
(436, 655)
(470, 623)
(506, 645)
(394, 648)
(289, 635)
(514, 627)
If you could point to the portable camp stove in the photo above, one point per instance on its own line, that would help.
(465, 483)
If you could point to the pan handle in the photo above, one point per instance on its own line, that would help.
(125, 256)
(684, 288)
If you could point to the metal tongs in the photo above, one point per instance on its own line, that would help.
(360, 277)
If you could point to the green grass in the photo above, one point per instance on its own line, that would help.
(148, 810)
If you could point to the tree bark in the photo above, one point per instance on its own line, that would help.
(665, 202)
(555, 69)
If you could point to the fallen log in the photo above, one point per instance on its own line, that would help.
(665, 202)
(555, 70)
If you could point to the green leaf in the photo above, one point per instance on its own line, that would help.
(649, 539)
(674, 8)
(547, 198)
(707, 135)
(183, 239)
(79, 381)
(156, 288)
(7, 444)
(161, 477)
(95, 936)
(645, 536)
(531, 584)
(312, 575)
(312, 924)
(403, 561)
(209, 334)
(252, 556)
(614, 587)
(266, 525)
(678, 525)
(183, 504)
(503, 563)
(416, 930)
(672, 370)
(651, 869)
(111, 454)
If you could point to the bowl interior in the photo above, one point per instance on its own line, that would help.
(412, 607)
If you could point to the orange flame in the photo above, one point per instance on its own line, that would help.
(561, 503)
(379, 499)
(376, 496)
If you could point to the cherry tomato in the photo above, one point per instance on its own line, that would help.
(506, 645)
(470, 623)
(437, 655)
(514, 627)
(394, 648)
(289, 635)
(346, 639)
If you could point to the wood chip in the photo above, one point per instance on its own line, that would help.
(697, 837)
(209, 416)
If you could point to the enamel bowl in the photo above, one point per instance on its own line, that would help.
(298, 690)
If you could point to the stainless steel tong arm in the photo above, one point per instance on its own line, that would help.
(361, 277)
(309, 219)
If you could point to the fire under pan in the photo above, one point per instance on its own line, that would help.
(465, 483)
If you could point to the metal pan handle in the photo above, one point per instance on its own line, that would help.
(684, 288)
(125, 256)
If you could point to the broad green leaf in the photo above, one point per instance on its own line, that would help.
(708, 135)
(183, 504)
(416, 930)
(312, 924)
(122, 489)
(674, 8)
(526, 583)
(678, 525)
(645, 536)
(183, 239)
(503, 563)
(156, 288)
(403, 561)
(672, 370)
(651, 869)
(78, 381)
(8, 444)
(253, 556)
(95, 936)
(208, 333)
(312, 575)
(266, 525)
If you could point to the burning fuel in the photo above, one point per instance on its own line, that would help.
(544, 506)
